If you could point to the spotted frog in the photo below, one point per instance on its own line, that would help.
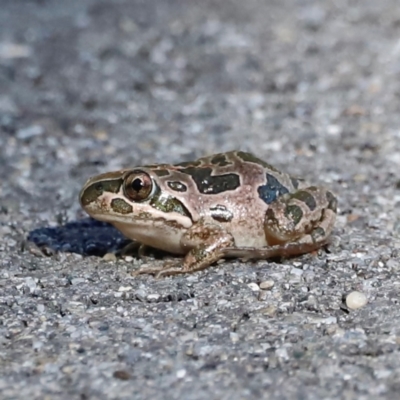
(225, 205)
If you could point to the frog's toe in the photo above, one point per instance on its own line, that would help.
(146, 271)
(176, 270)
(168, 268)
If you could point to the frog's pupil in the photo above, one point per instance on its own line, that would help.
(137, 184)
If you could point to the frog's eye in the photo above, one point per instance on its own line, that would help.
(138, 185)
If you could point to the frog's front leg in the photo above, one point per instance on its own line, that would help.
(204, 241)
(295, 223)
(134, 248)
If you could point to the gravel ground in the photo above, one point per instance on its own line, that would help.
(89, 86)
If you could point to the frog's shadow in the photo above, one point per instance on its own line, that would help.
(86, 236)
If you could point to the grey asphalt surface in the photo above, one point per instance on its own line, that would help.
(90, 86)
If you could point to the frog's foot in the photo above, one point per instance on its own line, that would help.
(196, 260)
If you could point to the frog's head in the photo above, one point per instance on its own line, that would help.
(135, 201)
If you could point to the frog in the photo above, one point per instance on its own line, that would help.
(230, 204)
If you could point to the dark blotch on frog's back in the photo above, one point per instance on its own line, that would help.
(95, 190)
(248, 157)
(158, 169)
(220, 160)
(271, 190)
(161, 172)
(212, 184)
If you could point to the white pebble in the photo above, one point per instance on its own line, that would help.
(282, 353)
(30, 132)
(181, 373)
(153, 297)
(254, 287)
(124, 288)
(234, 337)
(266, 285)
(40, 308)
(355, 300)
(296, 271)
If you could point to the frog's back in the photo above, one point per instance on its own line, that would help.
(227, 173)
(228, 183)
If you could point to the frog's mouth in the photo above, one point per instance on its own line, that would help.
(113, 208)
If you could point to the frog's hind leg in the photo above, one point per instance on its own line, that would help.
(296, 223)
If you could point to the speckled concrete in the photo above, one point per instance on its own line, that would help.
(89, 86)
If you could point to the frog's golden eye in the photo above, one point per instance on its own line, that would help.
(138, 185)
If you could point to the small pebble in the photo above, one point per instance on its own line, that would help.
(282, 353)
(122, 375)
(109, 257)
(296, 271)
(124, 288)
(140, 295)
(355, 300)
(153, 297)
(392, 263)
(37, 345)
(40, 308)
(77, 281)
(181, 373)
(254, 287)
(266, 285)
(30, 132)
(31, 284)
(9, 51)
(269, 311)
(234, 337)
